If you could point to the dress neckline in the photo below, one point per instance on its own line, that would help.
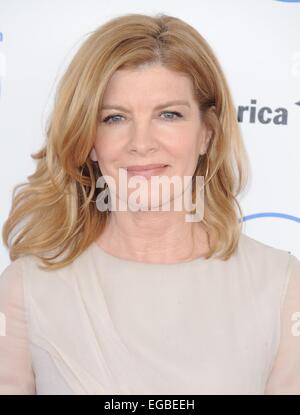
(99, 251)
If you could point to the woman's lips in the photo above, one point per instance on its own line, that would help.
(146, 171)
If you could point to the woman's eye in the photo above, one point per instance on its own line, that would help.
(117, 120)
(109, 117)
(178, 115)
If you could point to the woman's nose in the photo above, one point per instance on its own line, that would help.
(142, 137)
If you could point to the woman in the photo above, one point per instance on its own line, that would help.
(139, 300)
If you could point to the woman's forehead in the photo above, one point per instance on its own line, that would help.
(157, 85)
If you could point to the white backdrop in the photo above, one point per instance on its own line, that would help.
(258, 45)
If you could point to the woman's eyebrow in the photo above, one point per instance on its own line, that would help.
(166, 104)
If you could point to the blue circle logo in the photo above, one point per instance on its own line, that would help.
(271, 215)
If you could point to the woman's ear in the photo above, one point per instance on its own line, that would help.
(205, 142)
(93, 155)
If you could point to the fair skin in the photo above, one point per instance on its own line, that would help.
(145, 135)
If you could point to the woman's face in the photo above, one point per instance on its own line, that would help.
(150, 128)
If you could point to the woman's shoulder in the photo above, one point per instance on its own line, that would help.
(255, 248)
(25, 285)
(11, 287)
(30, 268)
(264, 259)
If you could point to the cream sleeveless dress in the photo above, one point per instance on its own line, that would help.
(107, 325)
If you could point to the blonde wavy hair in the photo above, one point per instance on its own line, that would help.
(54, 214)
